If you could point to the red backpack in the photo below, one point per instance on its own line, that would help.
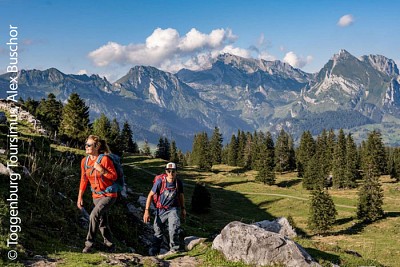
(157, 195)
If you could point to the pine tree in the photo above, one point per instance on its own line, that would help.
(247, 154)
(49, 112)
(322, 211)
(233, 151)
(282, 157)
(201, 153)
(370, 200)
(161, 149)
(102, 127)
(321, 152)
(216, 146)
(395, 164)
(266, 161)
(114, 139)
(241, 142)
(305, 152)
(75, 119)
(375, 150)
(313, 177)
(351, 170)
(31, 105)
(174, 153)
(182, 159)
(331, 142)
(292, 155)
(146, 148)
(167, 149)
(339, 162)
(127, 142)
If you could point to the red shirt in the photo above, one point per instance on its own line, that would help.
(98, 181)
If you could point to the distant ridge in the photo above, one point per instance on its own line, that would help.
(236, 93)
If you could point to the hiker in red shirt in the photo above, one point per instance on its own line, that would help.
(100, 176)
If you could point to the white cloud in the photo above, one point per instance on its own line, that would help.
(167, 50)
(296, 61)
(81, 72)
(266, 56)
(346, 20)
(236, 51)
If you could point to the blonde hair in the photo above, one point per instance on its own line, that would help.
(103, 149)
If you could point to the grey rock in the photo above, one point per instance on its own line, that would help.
(254, 245)
(4, 170)
(279, 226)
(192, 241)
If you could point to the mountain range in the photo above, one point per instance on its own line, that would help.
(353, 93)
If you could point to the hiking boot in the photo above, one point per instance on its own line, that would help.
(153, 252)
(87, 249)
(111, 249)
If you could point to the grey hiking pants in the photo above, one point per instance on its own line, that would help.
(99, 219)
(174, 227)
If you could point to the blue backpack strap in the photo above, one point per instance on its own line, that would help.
(99, 158)
(86, 163)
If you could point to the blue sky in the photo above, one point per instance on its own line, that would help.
(110, 37)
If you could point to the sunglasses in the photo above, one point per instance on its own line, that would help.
(89, 145)
(171, 171)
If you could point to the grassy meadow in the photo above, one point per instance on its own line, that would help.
(236, 196)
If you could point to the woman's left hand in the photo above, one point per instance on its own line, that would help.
(98, 167)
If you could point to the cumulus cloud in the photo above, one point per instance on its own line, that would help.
(296, 61)
(165, 47)
(346, 20)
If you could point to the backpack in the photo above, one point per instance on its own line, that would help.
(157, 195)
(119, 183)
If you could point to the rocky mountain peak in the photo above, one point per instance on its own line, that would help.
(342, 55)
(383, 64)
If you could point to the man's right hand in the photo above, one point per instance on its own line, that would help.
(146, 216)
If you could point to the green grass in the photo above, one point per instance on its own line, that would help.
(53, 230)
(236, 196)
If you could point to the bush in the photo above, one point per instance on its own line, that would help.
(201, 199)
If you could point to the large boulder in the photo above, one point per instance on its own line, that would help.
(279, 226)
(254, 245)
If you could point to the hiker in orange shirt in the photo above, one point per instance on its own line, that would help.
(100, 175)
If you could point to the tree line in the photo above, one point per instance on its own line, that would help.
(328, 160)
(70, 123)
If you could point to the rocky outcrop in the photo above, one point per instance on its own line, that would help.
(256, 246)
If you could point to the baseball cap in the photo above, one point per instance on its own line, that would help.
(171, 165)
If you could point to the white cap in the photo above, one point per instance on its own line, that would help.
(171, 165)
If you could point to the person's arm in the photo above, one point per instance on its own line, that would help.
(146, 215)
(82, 185)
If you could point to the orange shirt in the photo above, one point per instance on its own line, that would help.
(97, 181)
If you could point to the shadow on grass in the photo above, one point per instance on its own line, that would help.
(268, 202)
(226, 184)
(238, 171)
(319, 255)
(352, 230)
(344, 220)
(289, 183)
(392, 214)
